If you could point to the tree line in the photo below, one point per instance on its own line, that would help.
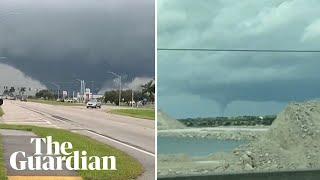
(146, 94)
(229, 121)
(10, 91)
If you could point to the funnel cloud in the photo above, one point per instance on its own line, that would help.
(193, 84)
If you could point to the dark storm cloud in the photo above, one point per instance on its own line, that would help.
(61, 40)
(228, 77)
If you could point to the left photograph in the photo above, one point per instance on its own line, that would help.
(77, 90)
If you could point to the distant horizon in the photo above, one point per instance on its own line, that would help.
(203, 117)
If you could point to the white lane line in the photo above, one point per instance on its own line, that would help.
(119, 142)
(25, 122)
(124, 144)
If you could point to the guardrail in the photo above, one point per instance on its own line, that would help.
(280, 175)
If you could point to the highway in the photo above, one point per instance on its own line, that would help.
(134, 136)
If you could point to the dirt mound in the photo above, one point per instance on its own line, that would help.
(166, 122)
(293, 141)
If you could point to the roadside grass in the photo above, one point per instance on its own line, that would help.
(138, 113)
(1, 112)
(51, 102)
(3, 173)
(127, 167)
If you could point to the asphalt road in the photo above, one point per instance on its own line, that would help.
(309, 174)
(131, 135)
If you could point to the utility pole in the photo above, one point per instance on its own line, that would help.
(82, 89)
(117, 75)
(120, 91)
(132, 97)
(92, 86)
(1, 59)
(57, 85)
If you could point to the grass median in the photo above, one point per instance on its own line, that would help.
(52, 102)
(1, 112)
(128, 167)
(3, 173)
(137, 113)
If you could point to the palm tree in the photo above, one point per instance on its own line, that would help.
(12, 90)
(148, 89)
(22, 90)
(6, 92)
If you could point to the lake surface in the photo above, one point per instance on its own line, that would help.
(195, 146)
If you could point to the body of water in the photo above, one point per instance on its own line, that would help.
(195, 146)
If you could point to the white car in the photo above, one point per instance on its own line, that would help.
(12, 98)
(69, 100)
(94, 103)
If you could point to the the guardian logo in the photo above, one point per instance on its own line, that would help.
(56, 155)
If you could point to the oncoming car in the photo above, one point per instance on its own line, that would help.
(93, 103)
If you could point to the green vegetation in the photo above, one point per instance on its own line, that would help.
(138, 113)
(46, 94)
(148, 90)
(1, 112)
(52, 102)
(128, 168)
(146, 94)
(126, 95)
(2, 163)
(229, 121)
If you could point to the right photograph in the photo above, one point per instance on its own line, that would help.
(238, 89)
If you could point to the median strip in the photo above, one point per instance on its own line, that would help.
(136, 113)
(44, 178)
(127, 167)
(1, 112)
(15, 141)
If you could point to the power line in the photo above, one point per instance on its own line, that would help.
(240, 50)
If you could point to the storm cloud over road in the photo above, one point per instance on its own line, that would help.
(58, 40)
(237, 83)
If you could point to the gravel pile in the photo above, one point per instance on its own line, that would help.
(293, 141)
(166, 122)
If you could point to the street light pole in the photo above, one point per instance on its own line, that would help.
(119, 90)
(3, 58)
(117, 75)
(81, 87)
(132, 98)
(57, 85)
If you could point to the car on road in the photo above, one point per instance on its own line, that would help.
(23, 98)
(93, 103)
(12, 98)
(69, 100)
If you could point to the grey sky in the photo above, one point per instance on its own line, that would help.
(60, 40)
(237, 83)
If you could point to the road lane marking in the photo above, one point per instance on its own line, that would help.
(124, 144)
(31, 122)
(44, 178)
(97, 134)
